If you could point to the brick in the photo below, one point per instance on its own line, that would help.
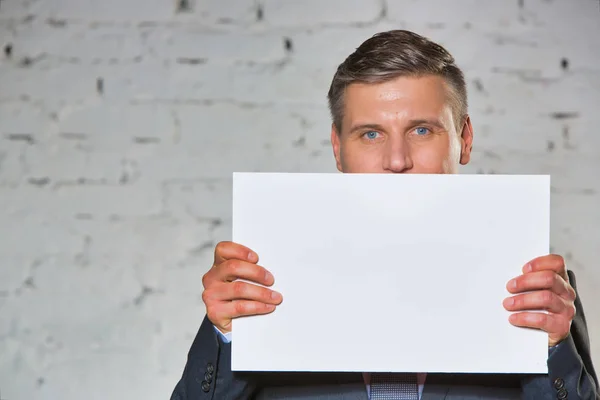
(22, 122)
(222, 233)
(115, 364)
(572, 211)
(131, 200)
(107, 127)
(12, 165)
(71, 43)
(70, 200)
(313, 47)
(21, 372)
(56, 342)
(28, 241)
(35, 235)
(314, 12)
(268, 83)
(63, 163)
(550, 121)
(570, 172)
(107, 11)
(530, 55)
(197, 45)
(213, 126)
(224, 12)
(52, 84)
(105, 288)
(508, 131)
(281, 83)
(557, 18)
(285, 138)
(102, 152)
(14, 9)
(149, 245)
(438, 14)
(207, 199)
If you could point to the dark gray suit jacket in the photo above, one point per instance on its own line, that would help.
(208, 376)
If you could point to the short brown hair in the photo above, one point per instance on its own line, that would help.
(388, 55)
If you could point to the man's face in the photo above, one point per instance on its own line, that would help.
(405, 125)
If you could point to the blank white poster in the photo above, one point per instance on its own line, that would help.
(390, 272)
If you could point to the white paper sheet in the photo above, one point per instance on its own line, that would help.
(390, 272)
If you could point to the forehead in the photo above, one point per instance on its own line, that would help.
(400, 98)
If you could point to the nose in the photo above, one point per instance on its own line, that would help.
(397, 157)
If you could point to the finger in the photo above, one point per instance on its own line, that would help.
(244, 308)
(230, 250)
(240, 290)
(241, 308)
(550, 323)
(222, 315)
(552, 262)
(231, 270)
(209, 278)
(541, 280)
(538, 300)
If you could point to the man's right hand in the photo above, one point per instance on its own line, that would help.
(225, 297)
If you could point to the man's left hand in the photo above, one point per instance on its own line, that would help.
(544, 285)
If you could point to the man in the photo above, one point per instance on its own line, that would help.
(399, 105)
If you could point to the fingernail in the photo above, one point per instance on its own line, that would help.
(252, 256)
(508, 302)
(269, 277)
(528, 268)
(275, 295)
(512, 284)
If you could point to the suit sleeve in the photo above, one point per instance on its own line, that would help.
(207, 374)
(571, 374)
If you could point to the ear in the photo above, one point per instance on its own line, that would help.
(335, 144)
(466, 141)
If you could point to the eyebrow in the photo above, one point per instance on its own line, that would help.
(366, 126)
(412, 122)
(430, 121)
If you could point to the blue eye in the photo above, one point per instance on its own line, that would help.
(421, 131)
(371, 135)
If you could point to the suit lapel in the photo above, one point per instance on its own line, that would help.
(434, 388)
(471, 386)
(313, 386)
(435, 392)
(348, 386)
(353, 391)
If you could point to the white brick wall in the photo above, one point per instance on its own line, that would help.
(122, 120)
